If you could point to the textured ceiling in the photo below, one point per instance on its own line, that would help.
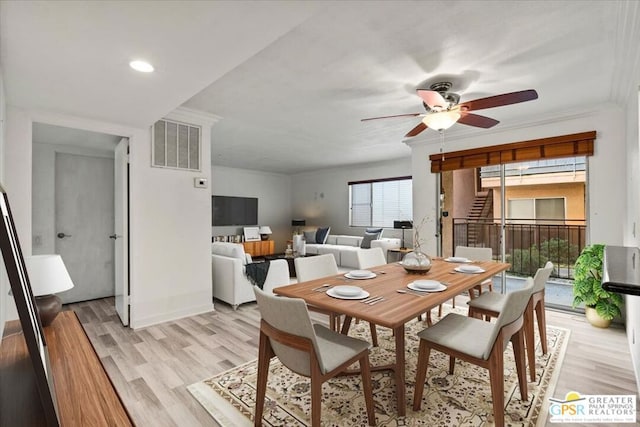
(291, 80)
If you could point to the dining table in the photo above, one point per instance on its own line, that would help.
(395, 304)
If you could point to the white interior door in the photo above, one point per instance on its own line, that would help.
(121, 235)
(84, 221)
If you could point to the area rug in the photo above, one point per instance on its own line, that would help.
(461, 399)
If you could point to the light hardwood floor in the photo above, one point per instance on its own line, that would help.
(152, 367)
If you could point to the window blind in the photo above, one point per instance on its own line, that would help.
(377, 203)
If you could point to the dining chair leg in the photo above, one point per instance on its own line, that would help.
(542, 324)
(316, 395)
(440, 311)
(365, 369)
(517, 341)
(496, 377)
(264, 357)
(527, 329)
(421, 374)
(452, 364)
(374, 334)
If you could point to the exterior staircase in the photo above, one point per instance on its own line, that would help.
(480, 211)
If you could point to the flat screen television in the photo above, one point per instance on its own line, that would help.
(229, 210)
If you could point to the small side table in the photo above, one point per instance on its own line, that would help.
(398, 254)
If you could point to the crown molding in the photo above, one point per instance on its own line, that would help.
(190, 115)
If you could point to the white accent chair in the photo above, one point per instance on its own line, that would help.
(368, 258)
(229, 281)
(308, 349)
(490, 304)
(481, 343)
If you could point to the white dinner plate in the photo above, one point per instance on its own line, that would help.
(426, 285)
(350, 276)
(457, 259)
(331, 293)
(347, 291)
(438, 289)
(360, 273)
(469, 269)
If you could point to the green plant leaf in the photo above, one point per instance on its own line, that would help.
(607, 310)
(587, 284)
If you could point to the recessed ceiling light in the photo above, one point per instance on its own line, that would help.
(142, 66)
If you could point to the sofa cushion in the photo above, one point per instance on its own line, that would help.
(321, 234)
(310, 236)
(332, 239)
(349, 240)
(376, 231)
(367, 239)
(231, 250)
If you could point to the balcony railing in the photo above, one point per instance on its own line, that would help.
(530, 243)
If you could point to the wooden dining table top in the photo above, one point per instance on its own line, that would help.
(396, 308)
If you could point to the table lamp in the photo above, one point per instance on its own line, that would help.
(404, 225)
(265, 232)
(48, 276)
(298, 223)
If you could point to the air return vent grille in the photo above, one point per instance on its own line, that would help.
(175, 145)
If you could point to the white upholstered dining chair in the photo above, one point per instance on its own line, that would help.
(490, 304)
(368, 258)
(481, 343)
(316, 267)
(308, 349)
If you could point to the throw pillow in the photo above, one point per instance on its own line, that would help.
(367, 239)
(376, 231)
(321, 235)
(310, 236)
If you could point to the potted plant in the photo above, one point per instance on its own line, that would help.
(601, 306)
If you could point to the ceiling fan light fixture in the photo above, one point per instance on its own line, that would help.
(441, 120)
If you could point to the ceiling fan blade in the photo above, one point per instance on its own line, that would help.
(416, 130)
(390, 117)
(432, 98)
(477, 120)
(499, 100)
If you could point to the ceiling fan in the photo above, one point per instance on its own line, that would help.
(443, 110)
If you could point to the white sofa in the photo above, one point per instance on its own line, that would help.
(344, 248)
(229, 281)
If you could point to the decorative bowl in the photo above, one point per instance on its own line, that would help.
(416, 262)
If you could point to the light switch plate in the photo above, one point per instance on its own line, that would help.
(200, 182)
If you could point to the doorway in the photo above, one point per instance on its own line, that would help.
(73, 206)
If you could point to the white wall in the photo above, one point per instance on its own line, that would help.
(170, 232)
(274, 199)
(322, 197)
(632, 224)
(4, 283)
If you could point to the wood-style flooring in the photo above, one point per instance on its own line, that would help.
(151, 367)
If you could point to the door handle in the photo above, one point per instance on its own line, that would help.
(62, 235)
(114, 236)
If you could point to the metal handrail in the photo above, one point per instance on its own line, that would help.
(530, 243)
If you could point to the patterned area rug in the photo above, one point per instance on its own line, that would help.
(461, 399)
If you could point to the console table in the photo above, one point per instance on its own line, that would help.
(83, 391)
(259, 247)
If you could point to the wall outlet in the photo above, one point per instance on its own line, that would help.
(200, 182)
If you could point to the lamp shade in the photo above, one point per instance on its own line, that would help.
(298, 222)
(441, 120)
(402, 224)
(265, 229)
(47, 274)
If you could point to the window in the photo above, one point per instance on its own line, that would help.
(546, 210)
(377, 203)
